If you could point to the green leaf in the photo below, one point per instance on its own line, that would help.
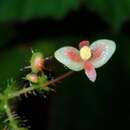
(26, 9)
(114, 12)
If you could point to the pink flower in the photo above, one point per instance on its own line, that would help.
(88, 57)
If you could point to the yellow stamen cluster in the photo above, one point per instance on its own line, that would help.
(85, 53)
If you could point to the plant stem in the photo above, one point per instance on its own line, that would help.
(12, 122)
(25, 90)
(59, 78)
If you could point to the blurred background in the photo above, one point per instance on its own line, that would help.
(46, 25)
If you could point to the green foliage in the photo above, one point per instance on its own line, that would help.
(10, 89)
(115, 12)
(24, 10)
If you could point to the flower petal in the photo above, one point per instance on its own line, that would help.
(69, 56)
(102, 51)
(90, 71)
(83, 43)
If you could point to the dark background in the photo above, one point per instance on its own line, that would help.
(48, 25)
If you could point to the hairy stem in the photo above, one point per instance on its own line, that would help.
(12, 122)
(26, 90)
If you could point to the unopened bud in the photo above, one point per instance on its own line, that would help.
(32, 78)
(37, 62)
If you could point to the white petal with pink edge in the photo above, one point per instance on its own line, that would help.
(62, 55)
(90, 71)
(102, 51)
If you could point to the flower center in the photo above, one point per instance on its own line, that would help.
(85, 53)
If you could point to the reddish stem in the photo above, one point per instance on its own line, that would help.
(59, 78)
